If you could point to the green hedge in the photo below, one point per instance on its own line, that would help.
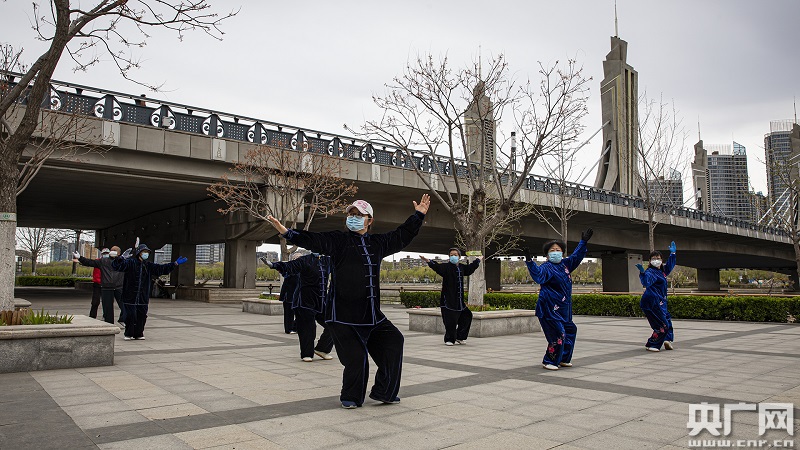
(47, 281)
(749, 309)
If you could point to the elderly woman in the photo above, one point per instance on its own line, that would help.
(554, 307)
(654, 298)
(456, 316)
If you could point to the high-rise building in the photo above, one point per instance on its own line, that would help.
(759, 204)
(480, 129)
(667, 190)
(777, 149)
(728, 182)
(700, 177)
(163, 255)
(619, 97)
(210, 253)
(271, 256)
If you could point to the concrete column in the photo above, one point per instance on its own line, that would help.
(708, 280)
(795, 282)
(620, 273)
(492, 274)
(183, 274)
(240, 264)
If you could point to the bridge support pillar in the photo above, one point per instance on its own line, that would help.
(240, 264)
(793, 278)
(708, 280)
(620, 273)
(492, 274)
(183, 274)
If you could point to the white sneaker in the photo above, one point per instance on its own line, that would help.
(565, 364)
(307, 359)
(550, 367)
(448, 343)
(668, 345)
(139, 338)
(651, 349)
(323, 355)
(128, 338)
(293, 332)
(460, 342)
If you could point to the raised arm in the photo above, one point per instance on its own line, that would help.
(88, 262)
(574, 260)
(670, 263)
(394, 241)
(288, 268)
(437, 267)
(161, 269)
(471, 267)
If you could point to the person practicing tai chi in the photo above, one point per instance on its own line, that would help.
(313, 270)
(654, 298)
(290, 292)
(554, 307)
(139, 274)
(456, 316)
(353, 310)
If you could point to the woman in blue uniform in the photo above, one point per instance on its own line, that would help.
(313, 270)
(654, 298)
(353, 310)
(554, 307)
(456, 316)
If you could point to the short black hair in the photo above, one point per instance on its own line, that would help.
(454, 248)
(655, 253)
(548, 244)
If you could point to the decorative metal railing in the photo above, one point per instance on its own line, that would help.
(122, 107)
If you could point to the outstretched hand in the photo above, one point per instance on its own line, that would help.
(127, 253)
(640, 267)
(277, 224)
(136, 245)
(266, 261)
(526, 252)
(423, 204)
(672, 247)
(424, 259)
(586, 235)
(181, 260)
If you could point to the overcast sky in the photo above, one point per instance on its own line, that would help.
(733, 64)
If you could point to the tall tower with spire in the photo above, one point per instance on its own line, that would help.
(480, 128)
(619, 96)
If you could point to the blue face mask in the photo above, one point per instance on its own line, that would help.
(355, 223)
(145, 256)
(454, 259)
(555, 257)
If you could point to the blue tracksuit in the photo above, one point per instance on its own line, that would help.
(654, 302)
(554, 307)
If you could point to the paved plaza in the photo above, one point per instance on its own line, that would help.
(211, 376)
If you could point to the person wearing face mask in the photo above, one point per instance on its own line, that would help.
(654, 298)
(110, 281)
(353, 310)
(313, 272)
(456, 316)
(554, 307)
(139, 272)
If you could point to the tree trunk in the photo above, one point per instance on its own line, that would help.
(77, 246)
(34, 257)
(8, 227)
(477, 281)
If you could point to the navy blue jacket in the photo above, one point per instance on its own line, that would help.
(453, 282)
(139, 278)
(655, 284)
(355, 294)
(555, 295)
(313, 271)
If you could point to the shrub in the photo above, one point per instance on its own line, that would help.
(746, 308)
(47, 281)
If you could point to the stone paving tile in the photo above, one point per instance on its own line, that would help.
(221, 378)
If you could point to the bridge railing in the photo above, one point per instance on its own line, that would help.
(141, 110)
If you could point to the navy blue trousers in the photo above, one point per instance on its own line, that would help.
(289, 318)
(670, 332)
(135, 318)
(355, 345)
(560, 335)
(659, 324)
(456, 324)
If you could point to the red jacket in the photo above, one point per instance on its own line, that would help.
(96, 276)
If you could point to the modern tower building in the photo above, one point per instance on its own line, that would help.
(667, 190)
(777, 149)
(700, 177)
(210, 253)
(480, 129)
(728, 182)
(619, 96)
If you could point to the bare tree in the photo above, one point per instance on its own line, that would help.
(784, 212)
(293, 186)
(37, 240)
(560, 200)
(660, 150)
(84, 31)
(449, 117)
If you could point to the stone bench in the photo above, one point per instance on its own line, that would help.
(262, 306)
(484, 323)
(85, 342)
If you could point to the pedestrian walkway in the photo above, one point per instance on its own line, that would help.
(211, 376)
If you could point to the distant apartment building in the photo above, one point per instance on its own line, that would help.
(210, 253)
(777, 149)
(271, 256)
(163, 255)
(63, 249)
(667, 190)
(410, 263)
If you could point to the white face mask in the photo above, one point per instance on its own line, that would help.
(655, 263)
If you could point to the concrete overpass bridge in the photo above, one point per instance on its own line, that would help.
(161, 157)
